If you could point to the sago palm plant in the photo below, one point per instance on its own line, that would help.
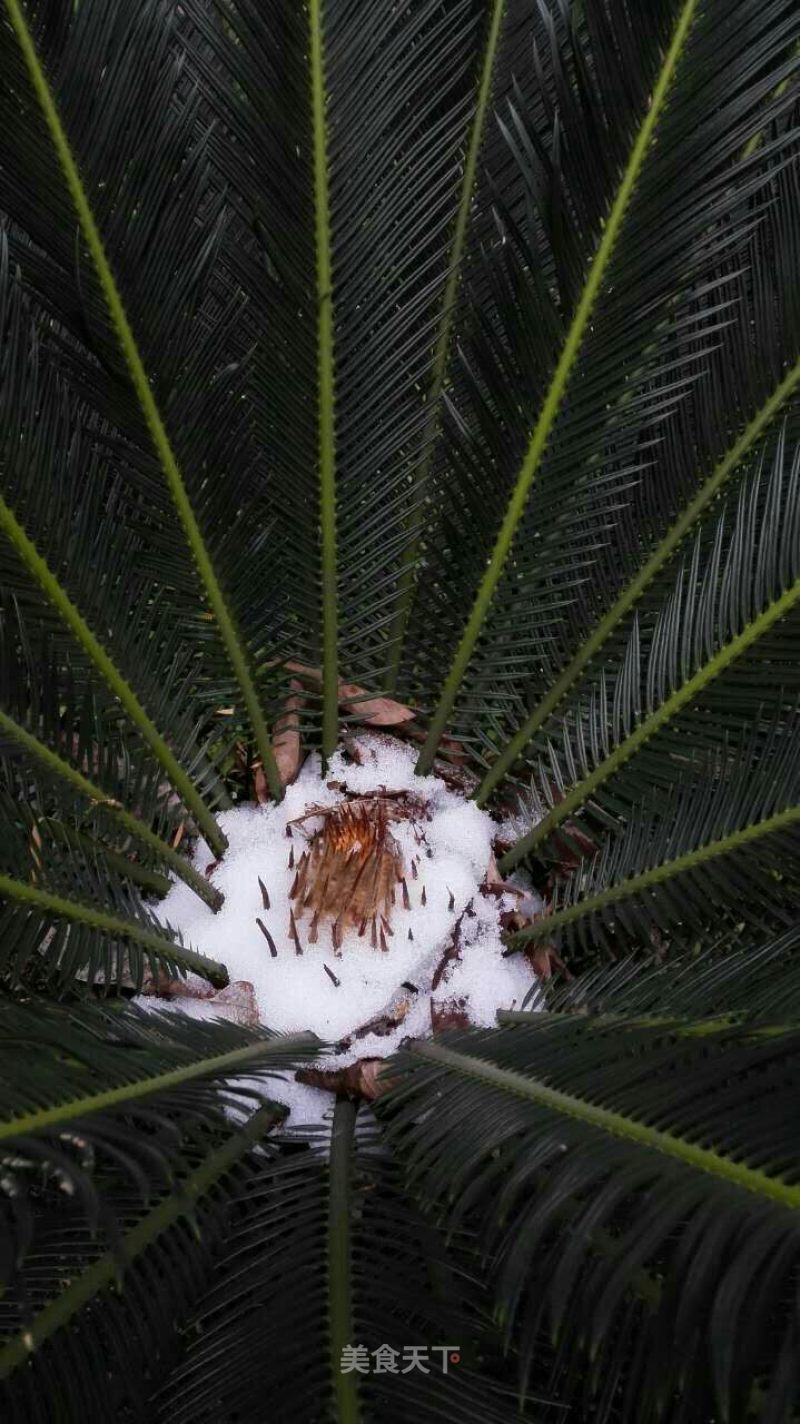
(426, 366)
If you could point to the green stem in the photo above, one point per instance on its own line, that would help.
(105, 1271)
(325, 370)
(229, 1064)
(653, 723)
(634, 590)
(756, 139)
(141, 385)
(705, 1028)
(442, 349)
(617, 1124)
(78, 913)
(63, 834)
(135, 827)
(637, 884)
(345, 1389)
(50, 586)
(557, 389)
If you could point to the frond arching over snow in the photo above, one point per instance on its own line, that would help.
(443, 951)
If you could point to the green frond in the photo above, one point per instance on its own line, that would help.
(325, 357)
(690, 341)
(721, 610)
(641, 581)
(72, 912)
(448, 350)
(754, 982)
(129, 1320)
(349, 266)
(345, 1386)
(484, 76)
(719, 846)
(48, 699)
(555, 394)
(38, 569)
(330, 1254)
(38, 416)
(60, 1312)
(125, 1141)
(90, 229)
(75, 937)
(64, 834)
(597, 1159)
(96, 1076)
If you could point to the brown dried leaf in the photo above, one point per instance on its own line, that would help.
(286, 744)
(544, 960)
(372, 711)
(449, 1013)
(512, 920)
(494, 884)
(359, 1080)
(164, 987)
(237, 1002)
(383, 1024)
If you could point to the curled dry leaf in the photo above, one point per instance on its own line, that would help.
(236, 1002)
(372, 711)
(286, 745)
(358, 1080)
(163, 986)
(544, 961)
(495, 885)
(570, 849)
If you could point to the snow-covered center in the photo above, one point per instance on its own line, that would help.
(433, 955)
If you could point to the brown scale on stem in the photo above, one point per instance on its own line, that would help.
(298, 948)
(268, 937)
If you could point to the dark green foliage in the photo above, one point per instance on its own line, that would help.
(683, 1266)
(452, 350)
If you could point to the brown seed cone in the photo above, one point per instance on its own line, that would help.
(349, 871)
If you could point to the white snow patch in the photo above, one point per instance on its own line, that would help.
(452, 846)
